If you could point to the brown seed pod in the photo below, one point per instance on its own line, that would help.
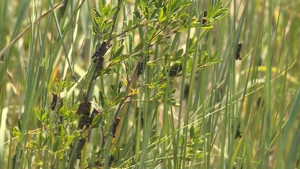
(238, 132)
(84, 121)
(140, 68)
(175, 69)
(238, 51)
(115, 125)
(186, 90)
(142, 118)
(14, 159)
(204, 17)
(84, 110)
(100, 52)
(111, 160)
(98, 55)
(80, 145)
(99, 62)
(54, 101)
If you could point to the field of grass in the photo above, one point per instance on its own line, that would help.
(150, 84)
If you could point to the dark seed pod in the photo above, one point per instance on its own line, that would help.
(115, 125)
(238, 133)
(84, 108)
(111, 160)
(238, 51)
(142, 117)
(54, 101)
(100, 52)
(99, 62)
(80, 145)
(204, 17)
(140, 68)
(14, 159)
(186, 90)
(175, 69)
(84, 121)
(98, 55)
(260, 103)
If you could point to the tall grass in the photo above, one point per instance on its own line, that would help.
(217, 112)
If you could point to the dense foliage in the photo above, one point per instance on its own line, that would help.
(149, 84)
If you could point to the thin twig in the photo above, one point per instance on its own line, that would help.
(128, 88)
(128, 30)
(114, 20)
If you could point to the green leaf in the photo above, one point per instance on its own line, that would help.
(137, 14)
(33, 144)
(63, 110)
(192, 132)
(45, 141)
(101, 8)
(129, 24)
(19, 124)
(215, 55)
(107, 10)
(178, 53)
(75, 107)
(102, 98)
(205, 26)
(56, 145)
(147, 12)
(175, 6)
(108, 71)
(215, 62)
(96, 121)
(189, 66)
(116, 59)
(204, 57)
(113, 90)
(141, 32)
(153, 14)
(97, 14)
(138, 46)
(159, 38)
(37, 113)
(44, 117)
(121, 96)
(221, 14)
(174, 103)
(209, 6)
(151, 32)
(119, 87)
(215, 10)
(119, 51)
(160, 14)
(106, 25)
(70, 139)
(67, 114)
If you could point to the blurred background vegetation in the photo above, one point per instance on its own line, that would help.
(179, 87)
